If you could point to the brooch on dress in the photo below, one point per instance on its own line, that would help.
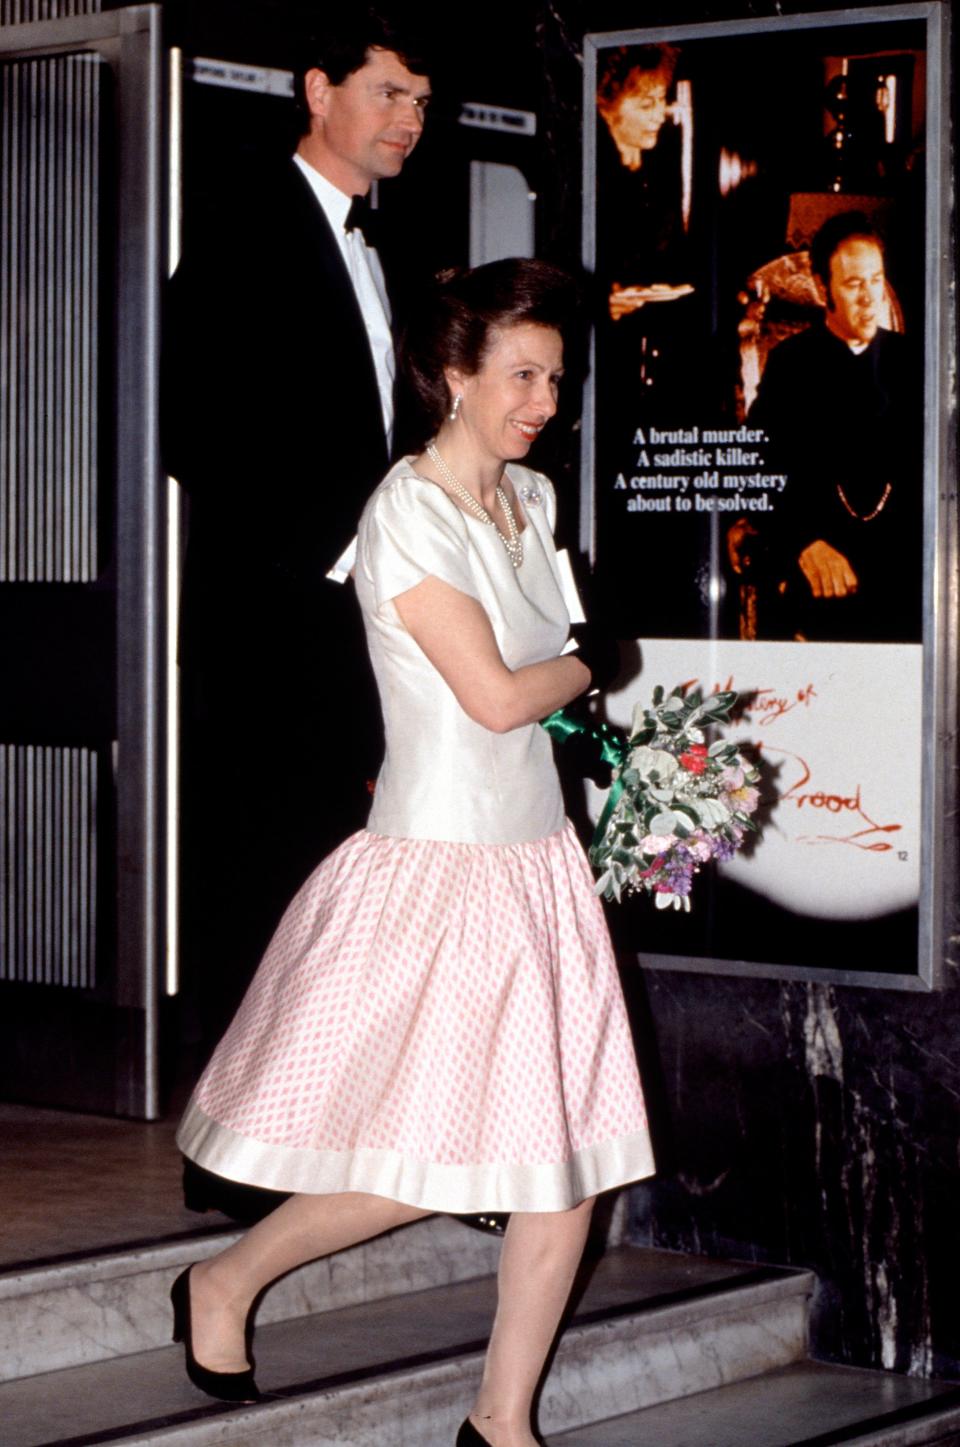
(530, 494)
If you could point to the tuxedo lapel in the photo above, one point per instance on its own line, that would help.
(330, 302)
(319, 252)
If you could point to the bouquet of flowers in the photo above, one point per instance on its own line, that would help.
(675, 801)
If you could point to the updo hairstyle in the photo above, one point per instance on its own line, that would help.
(461, 318)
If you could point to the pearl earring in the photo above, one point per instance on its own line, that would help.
(455, 409)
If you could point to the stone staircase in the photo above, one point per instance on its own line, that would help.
(383, 1344)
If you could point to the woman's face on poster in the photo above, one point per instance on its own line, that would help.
(637, 115)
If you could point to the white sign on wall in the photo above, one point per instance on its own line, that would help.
(838, 727)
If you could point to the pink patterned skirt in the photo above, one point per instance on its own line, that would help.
(438, 1023)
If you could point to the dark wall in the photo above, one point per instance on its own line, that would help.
(816, 1126)
(797, 1123)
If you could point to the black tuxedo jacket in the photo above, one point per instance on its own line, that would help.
(271, 421)
(271, 415)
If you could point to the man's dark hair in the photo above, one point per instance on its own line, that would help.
(458, 323)
(343, 43)
(844, 226)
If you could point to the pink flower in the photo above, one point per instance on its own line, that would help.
(741, 796)
(744, 800)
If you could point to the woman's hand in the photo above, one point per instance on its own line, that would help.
(455, 633)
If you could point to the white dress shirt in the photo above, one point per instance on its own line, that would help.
(366, 274)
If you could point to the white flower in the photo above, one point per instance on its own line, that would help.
(663, 900)
(711, 812)
(648, 761)
(664, 825)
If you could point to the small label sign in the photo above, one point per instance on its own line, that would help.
(229, 73)
(498, 118)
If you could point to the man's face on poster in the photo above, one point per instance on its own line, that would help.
(636, 117)
(857, 289)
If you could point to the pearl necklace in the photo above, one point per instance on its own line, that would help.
(512, 541)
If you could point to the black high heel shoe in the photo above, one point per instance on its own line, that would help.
(225, 1386)
(468, 1436)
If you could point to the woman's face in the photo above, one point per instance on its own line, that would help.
(637, 115)
(508, 402)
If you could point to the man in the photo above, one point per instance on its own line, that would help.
(278, 416)
(841, 406)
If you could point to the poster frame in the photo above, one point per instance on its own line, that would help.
(941, 605)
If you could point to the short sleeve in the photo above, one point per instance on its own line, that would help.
(412, 530)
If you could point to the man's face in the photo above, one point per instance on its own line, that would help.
(857, 289)
(366, 127)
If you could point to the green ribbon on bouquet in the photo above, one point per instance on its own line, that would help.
(612, 748)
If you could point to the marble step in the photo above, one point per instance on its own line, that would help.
(650, 1326)
(807, 1404)
(114, 1303)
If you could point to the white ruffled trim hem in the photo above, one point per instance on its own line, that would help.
(456, 1190)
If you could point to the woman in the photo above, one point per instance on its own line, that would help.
(437, 1024)
(642, 248)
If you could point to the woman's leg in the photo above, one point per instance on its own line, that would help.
(223, 1288)
(541, 1253)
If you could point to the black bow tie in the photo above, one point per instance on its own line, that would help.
(363, 218)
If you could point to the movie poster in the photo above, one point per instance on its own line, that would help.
(757, 223)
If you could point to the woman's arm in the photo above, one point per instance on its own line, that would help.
(455, 633)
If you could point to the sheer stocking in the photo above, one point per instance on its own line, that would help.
(541, 1253)
(302, 1229)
